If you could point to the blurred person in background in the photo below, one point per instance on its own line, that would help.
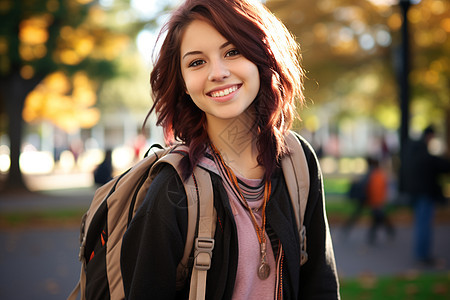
(370, 191)
(103, 172)
(422, 171)
(377, 195)
(358, 196)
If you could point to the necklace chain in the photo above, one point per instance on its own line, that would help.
(264, 269)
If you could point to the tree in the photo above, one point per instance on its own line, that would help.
(39, 38)
(350, 53)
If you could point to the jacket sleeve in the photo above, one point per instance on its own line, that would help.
(441, 164)
(318, 276)
(153, 244)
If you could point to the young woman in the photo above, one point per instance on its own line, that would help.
(224, 85)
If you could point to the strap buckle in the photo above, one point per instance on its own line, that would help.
(303, 253)
(81, 253)
(203, 253)
(82, 238)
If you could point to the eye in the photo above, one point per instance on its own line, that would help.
(196, 63)
(232, 52)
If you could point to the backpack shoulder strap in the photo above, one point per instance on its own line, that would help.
(201, 211)
(296, 174)
(204, 243)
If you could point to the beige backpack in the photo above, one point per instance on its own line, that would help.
(116, 202)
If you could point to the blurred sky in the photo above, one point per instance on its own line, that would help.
(146, 39)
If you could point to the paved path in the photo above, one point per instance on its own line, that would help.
(354, 257)
(38, 263)
(53, 199)
(41, 263)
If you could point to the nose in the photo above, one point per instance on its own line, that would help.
(218, 71)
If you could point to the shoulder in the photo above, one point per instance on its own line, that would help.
(165, 193)
(305, 144)
(315, 182)
(165, 177)
(310, 154)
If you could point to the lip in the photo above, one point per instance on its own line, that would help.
(227, 97)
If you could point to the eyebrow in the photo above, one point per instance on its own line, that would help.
(200, 52)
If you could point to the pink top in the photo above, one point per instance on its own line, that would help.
(248, 285)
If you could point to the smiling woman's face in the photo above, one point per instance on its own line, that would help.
(219, 79)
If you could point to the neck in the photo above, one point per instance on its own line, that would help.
(236, 142)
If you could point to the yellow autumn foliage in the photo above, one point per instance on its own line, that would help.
(65, 101)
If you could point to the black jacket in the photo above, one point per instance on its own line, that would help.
(422, 171)
(153, 244)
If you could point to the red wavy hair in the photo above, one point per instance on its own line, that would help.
(261, 38)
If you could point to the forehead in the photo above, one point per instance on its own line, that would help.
(200, 35)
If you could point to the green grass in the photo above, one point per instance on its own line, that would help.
(434, 286)
(339, 205)
(339, 186)
(47, 217)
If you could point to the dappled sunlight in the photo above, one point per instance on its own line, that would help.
(388, 115)
(34, 31)
(66, 102)
(5, 161)
(122, 158)
(43, 172)
(66, 161)
(344, 166)
(75, 45)
(89, 159)
(36, 162)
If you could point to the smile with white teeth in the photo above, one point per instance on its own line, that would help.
(224, 92)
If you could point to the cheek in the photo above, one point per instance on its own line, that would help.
(192, 85)
(194, 89)
(254, 75)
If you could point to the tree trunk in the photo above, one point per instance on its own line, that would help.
(447, 130)
(15, 90)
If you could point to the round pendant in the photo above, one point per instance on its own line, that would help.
(263, 271)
